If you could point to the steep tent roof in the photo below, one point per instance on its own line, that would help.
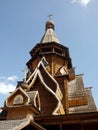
(49, 35)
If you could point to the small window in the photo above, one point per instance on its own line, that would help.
(47, 49)
(58, 51)
(18, 100)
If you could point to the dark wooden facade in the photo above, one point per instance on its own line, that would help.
(82, 121)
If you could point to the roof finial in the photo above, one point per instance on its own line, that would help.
(49, 23)
(49, 16)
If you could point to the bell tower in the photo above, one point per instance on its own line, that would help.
(56, 54)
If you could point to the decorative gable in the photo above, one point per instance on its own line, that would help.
(34, 99)
(18, 97)
(23, 103)
(42, 81)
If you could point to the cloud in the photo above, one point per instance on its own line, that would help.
(12, 78)
(7, 84)
(82, 2)
(6, 88)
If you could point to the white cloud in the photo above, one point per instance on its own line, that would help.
(12, 78)
(82, 2)
(6, 88)
(7, 84)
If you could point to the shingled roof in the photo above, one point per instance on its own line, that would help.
(49, 35)
(80, 96)
(18, 124)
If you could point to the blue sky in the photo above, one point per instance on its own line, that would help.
(22, 25)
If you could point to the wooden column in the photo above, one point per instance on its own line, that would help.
(66, 104)
(60, 126)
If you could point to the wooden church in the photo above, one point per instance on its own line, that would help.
(51, 96)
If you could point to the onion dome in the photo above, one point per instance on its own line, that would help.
(50, 24)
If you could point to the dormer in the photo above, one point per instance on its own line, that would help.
(18, 97)
(23, 103)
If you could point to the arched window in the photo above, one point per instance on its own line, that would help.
(18, 100)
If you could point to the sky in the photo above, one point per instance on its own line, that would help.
(22, 25)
